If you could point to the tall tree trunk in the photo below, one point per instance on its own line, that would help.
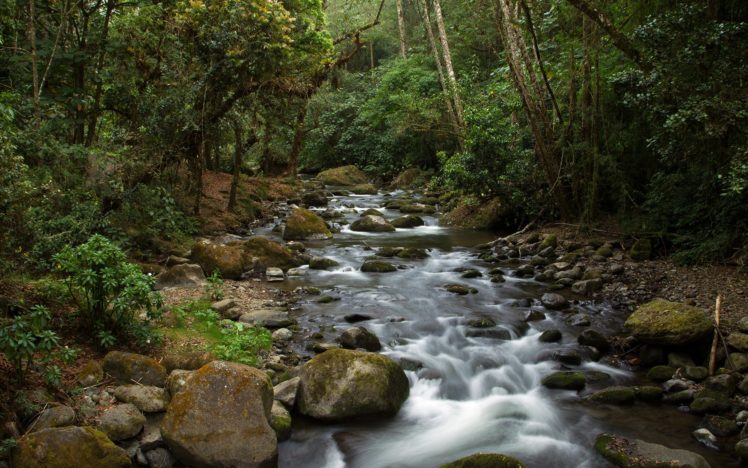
(31, 26)
(298, 139)
(451, 77)
(440, 73)
(93, 117)
(371, 54)
(237, 164)
(401, 28)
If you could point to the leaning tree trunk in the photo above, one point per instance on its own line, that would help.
(401, 28)
(451, 77)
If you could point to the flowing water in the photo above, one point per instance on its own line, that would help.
(470, 394)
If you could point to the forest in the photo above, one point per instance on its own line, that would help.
(164, 162)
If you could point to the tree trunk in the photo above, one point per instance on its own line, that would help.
(440, 73)
(452, 79)
(31, 26)
(93, 118)
(401, 28)
(298, 140)
(371, 54)
(236, 170)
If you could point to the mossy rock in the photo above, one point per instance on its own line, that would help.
(371, 212)
(565, 380)
(341, 384)
(408, 221)
(417, 208)
(129, 367)
(615, 395)
(412, 253)
(482, 215)
(372, 224)
(389, 252)
(68, 447)
(280, 421)
(220, 418)
(228, 259)
(634, 453)
(343, 176)
(377, 266)
(322, 263)
(270, 253)
(460, 289)
(410, 178)
(660, 373)
(649, 393)
(90, 373)
(364, 189)
(303, 224)
(485, 460)
(661, 322)
(550, 240)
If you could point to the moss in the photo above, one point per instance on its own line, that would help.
(408, 221)
(371, 212)
(649, 393)
(303, 224)
(550, 240)
(372, 224)
(485, 460)
(344, 175)
(228, 259)
(412, 253)
(565, 380)
(377, 266)
(614, 449)
(66, 447)
(668, 323)
(468, 214)
(614, 395)
(321, 263)
(270, 253)
(660, 373)
(364, 189)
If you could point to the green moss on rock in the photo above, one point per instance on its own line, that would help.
(661, 322)
(565, 380)
(377, 266)
(68, 447)
(364, 189)
(270, 253)
(485, 460)
(344, 176)
(303, 224)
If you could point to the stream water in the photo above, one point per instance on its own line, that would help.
(471, 394)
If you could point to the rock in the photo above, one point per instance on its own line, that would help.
(146, 398)
(493, 333)
(703, 405)
(679, 360)
(649, 393)
(269, 318)
(485, 460)
(534, 315)
(360, 337)
(412, 253)
(737, 361)
(565, 380)
(410, 364)
(683, 397)
(633, 453)
(372, 224)
(704, 437)
(579, 320)
(667, 323)
(550, 336)
(189, 360)
(317, 198)
(56, 416)
(90, 373)
(743, 324)
(129, 367)
(743, 385)
(227, 259)
(724, 384)
(594, 338)
(720, 425)
(481, 322)
(177, 380)
(343, 176)
(641, 250)
(68, 447)
(259, 249)
(273, 274)
(322, 263)
(676, 385)
(181, 276)
(408, 221)
(587, 287)
(377, 266)
(286, 391)
(568, 357)
(417, 208)
(554, 301)
(305, 225)
(221, 418)
(697, 373)
(296, 272)
(460, 289)
(282, 334)
(122, 421)
(483, 215)
(280, 421)
(616, 395)
(340, 384)
(227, 308)
(355, 318)
(738, 341)
(159, 458)
(660, 373)
(364, 189)
(471, 273)
(172, 260)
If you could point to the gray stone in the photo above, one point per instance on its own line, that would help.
(177, 380)
(579, 320)
(147, 398)
(272, 318)
(296, 272)
(286, 391)
(56, 416)
(738, 361)
(282, 334)
(550, 336)
(594, 338)
(181, 276)
(554, 301)
(273, 274)
(638, 453)
(280, 421)
(697, 373)
(587, 287)
(122, 421)
(704, 437)
(159, 458)
(360, 337)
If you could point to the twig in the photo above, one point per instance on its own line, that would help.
(715, 339)
(518, 233)
(28, 429)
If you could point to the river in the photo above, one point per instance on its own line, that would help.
(470, 393)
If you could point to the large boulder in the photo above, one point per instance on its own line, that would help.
(360, 337)
(305, 225)
(344, 175)
(130, 367)
(227, 259)
(485, 460)
(270, 253)
(408, 221)
(68, 446)
(220, 418)
(370, 223)
(487, 214)
(181, 276)
(638, 453)
(410, 178)
(340, 384)
(661, 322)
(364, 189)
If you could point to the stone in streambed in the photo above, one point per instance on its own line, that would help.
(341, 384)
(322, 263)
(460, 289)
(66, 447)
(303, 224)
(408, 221)
(485, 460)
(660, 373)
(377, 266)
(565, 380)
(594, 338)
(662, 322)
(286, 391)
(631, 453)
(550, 336)
(554, 301)
(343, 176)
(181, 276)
(146, 398)
(616, 395)
(372, 224)
(280, 421)
(412, 253)
(122, 421)
(360, 337)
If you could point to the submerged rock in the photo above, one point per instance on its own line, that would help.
(632, 453)
(340, 384)
(485, 460)
(565, 380)
(408, 221)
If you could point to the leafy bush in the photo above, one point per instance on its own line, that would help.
(25, 337)
(241, 343)
(214, 286)
(110, 292)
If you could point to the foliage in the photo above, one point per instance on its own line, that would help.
(6, 445)
(214, 286)
(26, 341)
(110, 292)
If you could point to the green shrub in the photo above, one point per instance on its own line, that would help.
(110, 292)
(214, 286)
(241, 343)
(26, 342)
